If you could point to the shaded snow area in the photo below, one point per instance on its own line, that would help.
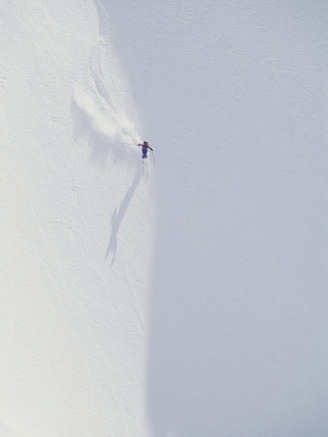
(184, 295)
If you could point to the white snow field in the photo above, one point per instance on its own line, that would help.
(181, 297)
(75, 248)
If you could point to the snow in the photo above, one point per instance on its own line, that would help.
(185, 298)
(75, 249)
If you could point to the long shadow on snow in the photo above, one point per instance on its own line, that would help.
(101, 149)
(118, 216)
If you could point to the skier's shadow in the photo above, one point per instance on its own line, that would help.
(118, 216)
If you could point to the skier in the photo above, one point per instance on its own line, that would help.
(145, 148)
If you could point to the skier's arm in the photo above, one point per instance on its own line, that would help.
(150, 148)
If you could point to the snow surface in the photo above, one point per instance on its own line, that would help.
(184, 297)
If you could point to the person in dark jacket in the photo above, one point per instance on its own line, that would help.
(145, 148)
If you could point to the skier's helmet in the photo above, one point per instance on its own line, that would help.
(146, 143)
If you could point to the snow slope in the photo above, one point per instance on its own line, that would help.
(75, 248)
(235, 97)
(238, 319)
(196, 307)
